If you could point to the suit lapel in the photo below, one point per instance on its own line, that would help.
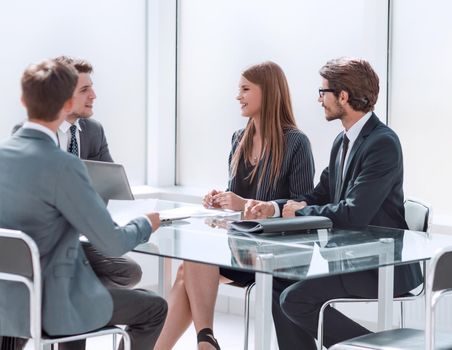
(365, 131)
(263, 192)
(83, 139)
(335, 157)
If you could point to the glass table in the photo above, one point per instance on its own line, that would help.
(296, 256)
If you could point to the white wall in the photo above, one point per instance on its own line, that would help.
(218, 39)
(111, 35)
(421, 94)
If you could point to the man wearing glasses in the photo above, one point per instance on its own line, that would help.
(363, 185)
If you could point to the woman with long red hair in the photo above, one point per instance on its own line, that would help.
(270, 159)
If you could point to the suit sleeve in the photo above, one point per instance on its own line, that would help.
(320, 195)
(380, 167)
(301, 178)
(104, 152)
(83, 208)
(234, 143)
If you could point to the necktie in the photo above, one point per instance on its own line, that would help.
(73, 146)
(340, 169)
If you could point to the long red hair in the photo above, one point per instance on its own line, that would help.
(276, 117)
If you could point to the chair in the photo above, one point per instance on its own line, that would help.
(439, 284)
(19, 262)
(246, 316)
(418, 218)
(248, 289)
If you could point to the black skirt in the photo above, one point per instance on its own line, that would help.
(238, 278)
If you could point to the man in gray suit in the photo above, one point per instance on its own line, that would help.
(84, 137)
(46, 193)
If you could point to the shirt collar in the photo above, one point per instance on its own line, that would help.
(39, 127)
(65, 125)
(353, 132)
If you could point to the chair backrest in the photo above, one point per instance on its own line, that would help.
(19, 262)
(417, 215)
(439, 283)
(441, 266)
(15, 254)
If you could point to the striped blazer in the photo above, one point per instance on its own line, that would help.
(297, 169)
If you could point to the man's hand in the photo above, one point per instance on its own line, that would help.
(258, 209)
(155, 220)
(291, 207)
(229, 200)
(208, 201)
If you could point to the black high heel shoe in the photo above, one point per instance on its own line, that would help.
(206, 335)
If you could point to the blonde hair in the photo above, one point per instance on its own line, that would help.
(276, 118)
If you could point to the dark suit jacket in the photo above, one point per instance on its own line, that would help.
(93, 143)
(372, 194)
(297, 169)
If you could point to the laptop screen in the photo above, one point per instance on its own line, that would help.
(109, 180)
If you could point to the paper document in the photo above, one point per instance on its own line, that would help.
(124, 211)
(195, 212)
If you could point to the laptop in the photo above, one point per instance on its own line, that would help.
(109, 180)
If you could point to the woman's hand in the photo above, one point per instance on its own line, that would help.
(229, 200)
(258, 210)
(208, 201)
(291, 207)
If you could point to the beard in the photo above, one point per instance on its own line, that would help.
(82, 114)
(334, 112)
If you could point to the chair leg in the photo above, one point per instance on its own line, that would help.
(114, 342)
(402, 315)
(247, 315)
(320, 324)
(126, 339)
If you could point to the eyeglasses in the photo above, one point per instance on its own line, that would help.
(322, 91)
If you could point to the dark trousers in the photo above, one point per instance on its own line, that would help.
(120, 272)
(296, 307)
(142, 311)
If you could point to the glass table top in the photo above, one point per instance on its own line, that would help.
(298, 255)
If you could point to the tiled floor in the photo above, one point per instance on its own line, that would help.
(228, 331)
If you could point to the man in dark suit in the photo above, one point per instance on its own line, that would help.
(363, 185)
(46, 193)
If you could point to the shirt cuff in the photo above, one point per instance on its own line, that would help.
(277, 213)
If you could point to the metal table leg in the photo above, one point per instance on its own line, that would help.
(263, 318)
(386, 288)
(165, 274)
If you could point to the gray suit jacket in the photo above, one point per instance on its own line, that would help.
(93, 143)
(46, 193)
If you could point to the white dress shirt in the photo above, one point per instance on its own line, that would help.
(352, 135)
(64, 135)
